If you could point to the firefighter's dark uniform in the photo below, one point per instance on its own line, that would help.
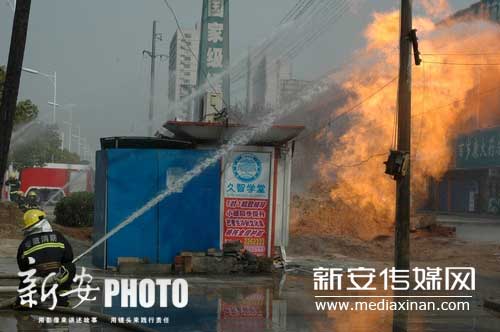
(51, 252)
(31, 201)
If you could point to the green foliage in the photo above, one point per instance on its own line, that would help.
(26, 111)
(76, 210)
(40, 144)
(35, 143)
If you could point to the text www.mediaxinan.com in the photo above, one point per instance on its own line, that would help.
(407, 305)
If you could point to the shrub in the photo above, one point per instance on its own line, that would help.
(75, 210)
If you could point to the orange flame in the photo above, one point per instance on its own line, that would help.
(447, 90)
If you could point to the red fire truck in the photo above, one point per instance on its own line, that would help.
(54, 181)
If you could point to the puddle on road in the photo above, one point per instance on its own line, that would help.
(247, 305)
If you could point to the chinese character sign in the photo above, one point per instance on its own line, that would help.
(479, 149)
(246, 200)
(425, 279)
(214, 47)
(247, 175)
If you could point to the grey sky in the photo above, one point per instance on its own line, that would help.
(96, 48)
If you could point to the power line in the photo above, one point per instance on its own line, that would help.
(329, 123)
(341, 8)
(281, 40)
(292, 11)
(461, 54)
(484, 93)
(461, 64)
(309, 25)
(356, 164)
(364, 161)
(275, 41)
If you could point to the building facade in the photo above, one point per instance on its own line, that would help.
(472, 182)
(183, 68)
(489, 9)
(265, 82)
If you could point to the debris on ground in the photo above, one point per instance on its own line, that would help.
(79, 233)
(310, 216)
(422, 221)
(11, 218)
(233, 258)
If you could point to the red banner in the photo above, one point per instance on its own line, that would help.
(245, 315)
(245, 220)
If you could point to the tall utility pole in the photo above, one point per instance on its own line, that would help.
(402, 245)
(152, 54)
(402, 236)
(152, 84)
(12, 79)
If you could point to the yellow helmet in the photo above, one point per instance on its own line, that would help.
(32, 193)
(31, 217)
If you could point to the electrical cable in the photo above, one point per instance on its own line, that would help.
(331, 11)
(292, 11)
(323, 9)
(484, 93)
(461, 64)
(329, 123)
(240, 68)
(279, 41)
(356, 164)
(314, 9)
(461, 54)
(342, 7)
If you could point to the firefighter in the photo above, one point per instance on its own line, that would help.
(17, 197)
(47, 251)
(32, 202)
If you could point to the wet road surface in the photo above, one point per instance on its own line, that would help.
(264, 304)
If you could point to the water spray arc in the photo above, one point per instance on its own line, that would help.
(241, 138)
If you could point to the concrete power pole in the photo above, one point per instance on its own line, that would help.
(12, 80)
(402, 252)
(402, 236)
(152, 54)
(152, 83)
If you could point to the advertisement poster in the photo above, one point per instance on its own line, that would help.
(246, 200)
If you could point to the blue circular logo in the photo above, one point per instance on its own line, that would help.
(247, 167)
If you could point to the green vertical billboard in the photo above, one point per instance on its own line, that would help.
(480, 149)
(214, 49)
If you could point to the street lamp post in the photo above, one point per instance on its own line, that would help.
(70, 134)
(69, 107)
(78, 138)
(82, 146)
(54, 81)
(62, 140)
